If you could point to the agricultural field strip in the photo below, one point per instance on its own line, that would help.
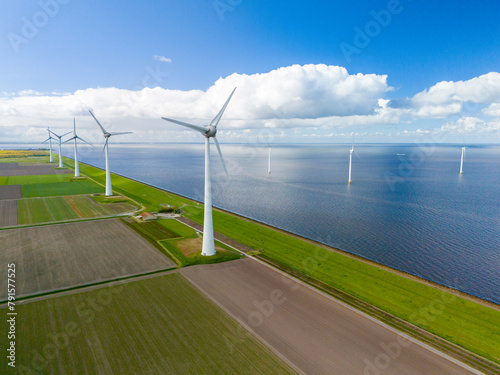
(74, 254)
(8, 213)
(67, 208)
(298, 323)
(10, 192)
(170, 309)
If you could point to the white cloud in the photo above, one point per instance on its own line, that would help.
(471, 125)
(492, 110)
(162, 58)
(313, 97)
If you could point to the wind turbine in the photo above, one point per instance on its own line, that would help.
(208, 132)
(50, 145)
(59, 137)
(107, 135)
(74, 138)
(269, 159)
(351, 151)
(462, 160)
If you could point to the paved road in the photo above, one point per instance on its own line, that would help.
(313, 332)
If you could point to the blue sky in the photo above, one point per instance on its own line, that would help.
(288, 59)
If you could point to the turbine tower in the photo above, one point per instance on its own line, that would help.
(351, 151)
(462, 160)
(107, 135)
(208, 248)
(74, 138)
(269, 161)
(59, 137)
(50, 145)
(350, 161)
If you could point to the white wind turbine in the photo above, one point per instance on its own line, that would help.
(462, 160)
(269, 158)
(74, 138)
(209, 131)
(107, 135)
(351, 151)
(50, 145)
(59, 137)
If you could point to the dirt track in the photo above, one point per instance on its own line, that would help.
(315, 333)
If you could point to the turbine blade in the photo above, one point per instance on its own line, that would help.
(120, 133)
(74, 126)
(98, 123)
(46, 140)
(66, 141)
(104, 147)
(200, 129)
(217, 118)
(83, 140)
(221, 158)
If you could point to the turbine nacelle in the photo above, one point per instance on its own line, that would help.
(211, 131)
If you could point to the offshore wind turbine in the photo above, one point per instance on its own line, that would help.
(462, 160)
(209, 131)
(107, 135)
(59, 137)
(50, 145)
(74, 138)
(351, 151)
(269, 158)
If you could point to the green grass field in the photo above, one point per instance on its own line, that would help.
(44, 210)
(29, 180)
(468, 324)
(61, 188)
(159, 325)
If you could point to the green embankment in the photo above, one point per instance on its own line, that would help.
(466, 323)
(152, 326)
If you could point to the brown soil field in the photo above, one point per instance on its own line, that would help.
(11, 192)
(8, 214)
(18, 169)
(59, 256)
(314, 332)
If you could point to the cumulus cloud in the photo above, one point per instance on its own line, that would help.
(287, 95)
(310, 96)
(492, 110)
(471, 125)
(162, 58)
(447, 98)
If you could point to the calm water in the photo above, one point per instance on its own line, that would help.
(412, 212)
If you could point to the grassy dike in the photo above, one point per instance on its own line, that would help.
(461, 321)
